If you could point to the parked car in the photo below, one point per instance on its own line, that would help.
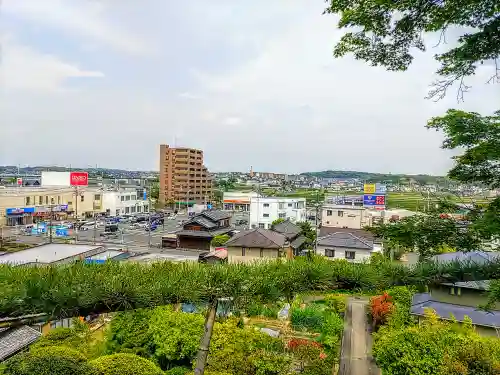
(173, 217)
(151, 228)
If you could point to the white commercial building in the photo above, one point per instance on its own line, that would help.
(124, 202)
(263, 211)
(238, 201)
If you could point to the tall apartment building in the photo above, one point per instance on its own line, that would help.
(183, 177)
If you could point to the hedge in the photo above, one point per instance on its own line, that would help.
(80, 289)
(50, 360)
(125, 364)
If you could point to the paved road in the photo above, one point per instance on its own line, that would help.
(356, 343)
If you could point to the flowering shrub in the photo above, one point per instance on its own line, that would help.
(380, 309)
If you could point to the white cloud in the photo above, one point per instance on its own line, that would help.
(188, 95)
(23, 68)
(82, 18)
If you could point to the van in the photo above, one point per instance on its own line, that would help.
(111, 228)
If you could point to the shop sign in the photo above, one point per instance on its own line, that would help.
(19, 211)
(79, 179)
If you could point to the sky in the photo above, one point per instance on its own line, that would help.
(251, 83)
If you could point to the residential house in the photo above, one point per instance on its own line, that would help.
(200, 229)
(345, 245)
(257, 244)
(265, 210)
(293, 234)
(461, 299)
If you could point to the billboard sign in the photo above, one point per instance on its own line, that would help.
(19, 182)
(19, 211)
(144, 195)
(369, 188)
(374, 201)
(79, 178)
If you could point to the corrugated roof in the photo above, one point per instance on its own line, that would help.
(476, 285)
(203, 233)
(347, 240)
(47, 253)
(13, 340)
(479, 257)
(422, 301)
(261, 238)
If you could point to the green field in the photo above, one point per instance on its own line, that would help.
(414, 201)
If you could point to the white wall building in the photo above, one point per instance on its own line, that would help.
(344, 216)
(238, 200)
(263, 211)
(123, 202)
(348, 246)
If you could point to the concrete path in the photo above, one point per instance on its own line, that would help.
(356, 344)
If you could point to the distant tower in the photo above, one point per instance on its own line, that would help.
(251, 171)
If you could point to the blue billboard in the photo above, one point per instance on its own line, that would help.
(374, 200)
(144, 195)
(19, 211)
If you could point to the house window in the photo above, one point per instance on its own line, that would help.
(262, 253)
(330, 253)
(290, 204)
(243, 251)
(266, 205)
(40, 200)
(341, 213)
(27, 201)
(82, 198)
(261, 225)
(122, 198)
(265, 215)
(281, 206)
(329, 212)
(46, 199)
(350, 254)
(127, 210)
(134, 198)
(132, 209)
(281, 215)
(97, 197)
(127, 198)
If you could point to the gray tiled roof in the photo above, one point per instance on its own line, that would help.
(479, 257)
(203, 221)
(348, 240)
(12, 340)
(361, 233)
(296, 243)
(216, 215)
(422, 301)
(261, 238)
(289, 229)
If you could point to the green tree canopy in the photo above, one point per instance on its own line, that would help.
(219, 240)
(388, 32)
(125, 364)
(50, 360)
(277, 221)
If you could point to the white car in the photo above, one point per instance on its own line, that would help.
(173, 217)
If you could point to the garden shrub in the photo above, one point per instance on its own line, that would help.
(331, 332)
(336, 302)
(125, 364)
(49, 360)
(402, 294)
(380, 309)
(310, 317)
(178, 371)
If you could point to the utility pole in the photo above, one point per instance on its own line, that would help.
(50, 223)
(95, 227)
(149, 218)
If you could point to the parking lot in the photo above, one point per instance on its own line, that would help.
(133, 238)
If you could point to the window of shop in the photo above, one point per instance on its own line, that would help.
(97, 197)
(134, 198)
(132, 209)
(82, 198)
(58, 199)
(46, 199)
(122, 198)
(40, 200)
(28, 201)
(127, 210)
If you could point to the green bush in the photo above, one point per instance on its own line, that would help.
(310, 317)
(402, 294)
(331, 332)
(49, 360)
(125, 364)
(336, 302)
(178, 371)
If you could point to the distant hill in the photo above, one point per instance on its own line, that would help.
(377, 177)
(104, 172)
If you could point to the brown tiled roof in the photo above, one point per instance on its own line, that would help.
(261, 238)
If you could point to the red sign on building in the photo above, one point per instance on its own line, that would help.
(79, 179)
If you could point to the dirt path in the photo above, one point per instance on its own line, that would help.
(356, 343)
